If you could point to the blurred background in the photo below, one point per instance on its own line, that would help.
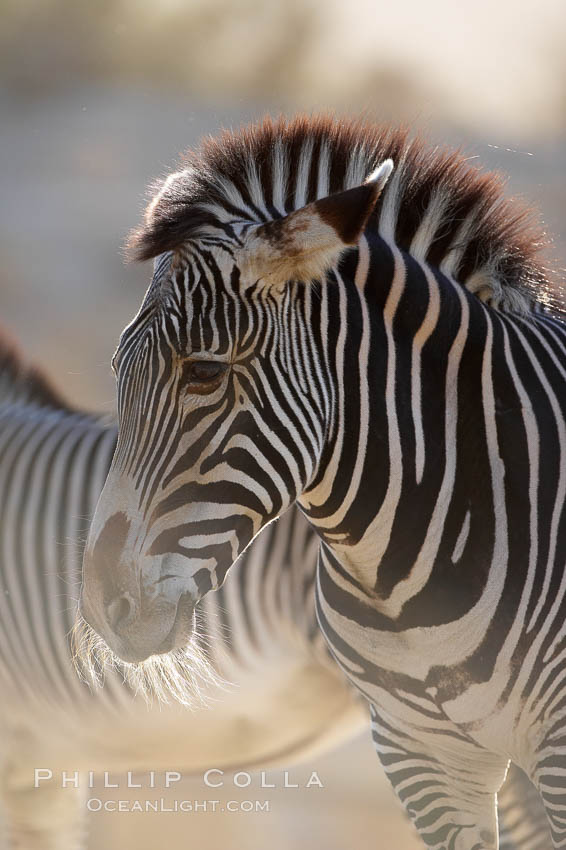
(98, 98)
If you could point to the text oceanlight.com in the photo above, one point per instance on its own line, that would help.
(95, 804)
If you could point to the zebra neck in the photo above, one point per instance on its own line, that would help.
(265, 611)
(412, 367)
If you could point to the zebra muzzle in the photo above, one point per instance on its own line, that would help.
(134, 631)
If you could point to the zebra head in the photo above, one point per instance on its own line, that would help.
(224, 406)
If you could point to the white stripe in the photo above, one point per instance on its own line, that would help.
(302, 170)
(429, 225)
(462, 539)
(422, 335)
(322, 185)
(279, 169)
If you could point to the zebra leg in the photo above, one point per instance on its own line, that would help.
(549, 776)
(447, 784)
(522, 817)
(44, 818)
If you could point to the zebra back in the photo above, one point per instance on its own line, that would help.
(24, 382)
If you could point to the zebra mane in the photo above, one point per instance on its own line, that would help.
(437, 206)
(24, 382)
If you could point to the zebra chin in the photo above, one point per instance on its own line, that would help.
(183, 675)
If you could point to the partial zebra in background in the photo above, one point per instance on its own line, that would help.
(340, 316)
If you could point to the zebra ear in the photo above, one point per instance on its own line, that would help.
(308, 242)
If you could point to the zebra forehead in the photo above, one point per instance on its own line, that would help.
(262, 172)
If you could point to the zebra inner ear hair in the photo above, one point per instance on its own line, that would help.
(347, 212)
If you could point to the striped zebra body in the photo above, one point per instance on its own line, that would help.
(284, 699)
(410, 399)
(461, 669)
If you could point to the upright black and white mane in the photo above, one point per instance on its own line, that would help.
(436, 206)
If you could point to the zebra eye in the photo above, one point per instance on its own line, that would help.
(204, 376)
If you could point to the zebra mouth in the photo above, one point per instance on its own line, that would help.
(135, 645)
(182, 628)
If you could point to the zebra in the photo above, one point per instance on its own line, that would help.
(285, 700)
(343, 317)
(271, 720)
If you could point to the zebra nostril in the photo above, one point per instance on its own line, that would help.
(120, 611)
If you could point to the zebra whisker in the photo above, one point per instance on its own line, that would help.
(185, 676)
